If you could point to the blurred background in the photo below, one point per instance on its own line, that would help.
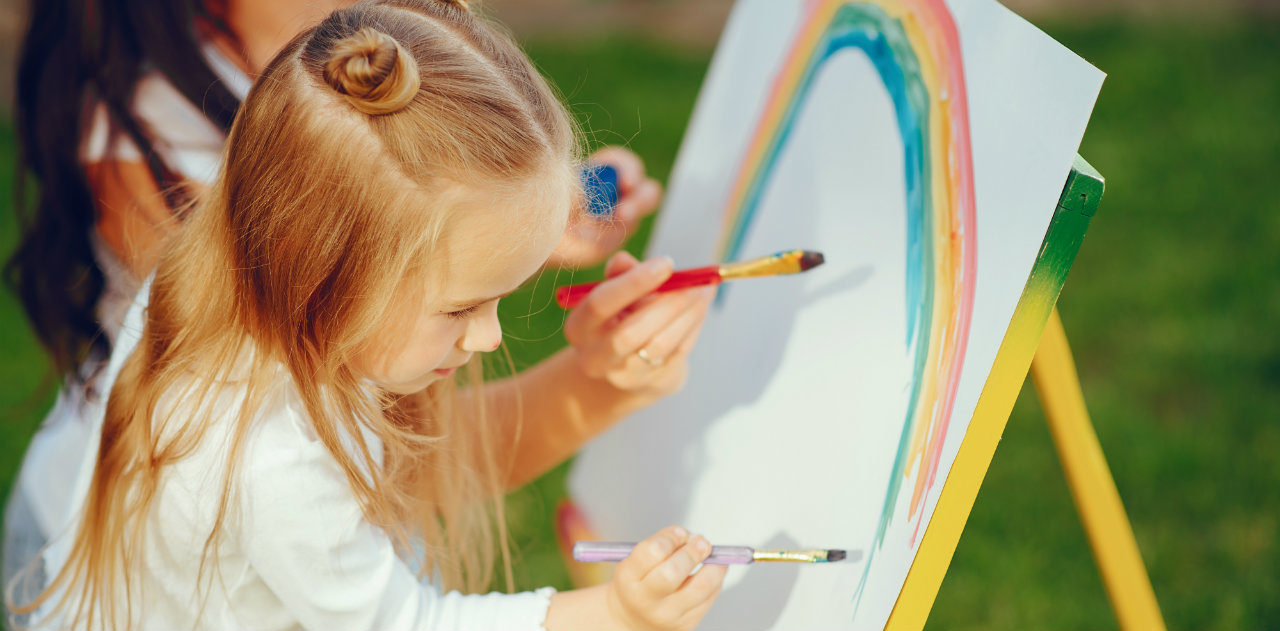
(1172, 308)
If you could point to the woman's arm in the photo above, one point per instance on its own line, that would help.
(545, 414)
(262, 27)
(133, 219)
(558, 409)
(588, 240)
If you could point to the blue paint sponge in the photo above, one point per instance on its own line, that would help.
(601, 186)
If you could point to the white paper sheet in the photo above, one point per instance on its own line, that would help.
(789, 431)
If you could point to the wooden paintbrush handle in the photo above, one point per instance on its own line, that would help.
(571, 296)
(614, 551)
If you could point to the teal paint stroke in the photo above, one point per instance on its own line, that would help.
(866, 27)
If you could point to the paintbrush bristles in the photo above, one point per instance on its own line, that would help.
(810, 259)
(790, 262)
(798, 556)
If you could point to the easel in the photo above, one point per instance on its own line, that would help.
(1037, 330)
(1035, 344)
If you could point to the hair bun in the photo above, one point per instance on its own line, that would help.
(376, 74)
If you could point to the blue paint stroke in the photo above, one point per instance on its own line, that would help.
(866, 27)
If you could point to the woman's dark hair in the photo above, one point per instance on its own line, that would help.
(75, 50)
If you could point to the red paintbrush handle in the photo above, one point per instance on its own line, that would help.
(571, 296)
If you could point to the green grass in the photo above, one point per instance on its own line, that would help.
(1171, 309)
(24, 369)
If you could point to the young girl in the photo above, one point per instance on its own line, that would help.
(117, 101)
(283, 445)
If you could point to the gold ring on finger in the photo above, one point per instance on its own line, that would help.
(649, 359)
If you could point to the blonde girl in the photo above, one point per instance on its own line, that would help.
(284, 445)
(119, 100)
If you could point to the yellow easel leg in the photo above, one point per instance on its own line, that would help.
(1114, 548)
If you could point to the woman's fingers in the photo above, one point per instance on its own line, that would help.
(638, 203)
(666, 341)
(629, 165)
(614, 295)
(642, 326)
(589, 239)
(632, 338)
(644, 348)
(619, 264)
(638, 195)
(691, 339)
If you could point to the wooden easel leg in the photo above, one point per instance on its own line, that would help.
(1114, 548)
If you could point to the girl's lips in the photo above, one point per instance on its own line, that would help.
(446, 371)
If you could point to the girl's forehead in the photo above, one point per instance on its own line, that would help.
(498, 239)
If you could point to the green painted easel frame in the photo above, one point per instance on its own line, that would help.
(1036, 341)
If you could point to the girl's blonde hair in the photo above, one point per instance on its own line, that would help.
(333, 194)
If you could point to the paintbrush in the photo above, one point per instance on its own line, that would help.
(789, 262)
(614, 551)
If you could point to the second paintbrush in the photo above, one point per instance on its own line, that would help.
(789, 262)
(614, 551)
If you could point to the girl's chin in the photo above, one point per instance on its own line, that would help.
(416, 385)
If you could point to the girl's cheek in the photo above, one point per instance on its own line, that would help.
(437, 341)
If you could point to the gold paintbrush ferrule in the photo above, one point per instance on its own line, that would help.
(772, 265)
(790, 556)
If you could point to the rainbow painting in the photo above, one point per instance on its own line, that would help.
(915, 48)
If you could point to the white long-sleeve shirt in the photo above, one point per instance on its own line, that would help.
(297, 552)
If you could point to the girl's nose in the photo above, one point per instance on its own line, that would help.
(484, 333)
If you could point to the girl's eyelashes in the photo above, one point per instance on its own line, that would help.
(462, 314)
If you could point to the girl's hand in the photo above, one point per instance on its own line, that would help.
(635, 341)
(588, 240)
(653, 590)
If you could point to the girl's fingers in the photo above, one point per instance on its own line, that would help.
(654, 551)
(672, 573)
(700, 590)
(694, 616)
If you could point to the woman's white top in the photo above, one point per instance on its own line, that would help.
(193, 146)
(297, 551)
(187, 141)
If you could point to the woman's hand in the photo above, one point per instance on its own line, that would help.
(627, 349)
(635, 341)
(588, 240)
(652, 589)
